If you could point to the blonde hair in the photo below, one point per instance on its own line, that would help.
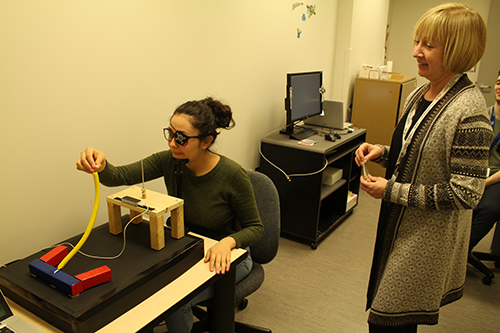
(460, 29)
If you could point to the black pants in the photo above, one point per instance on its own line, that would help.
(393, 329)
(485, 215)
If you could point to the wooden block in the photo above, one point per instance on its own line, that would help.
(55, 256)
(56, 277)
(133, 215)
(115, 218)
(95, 277)
(177, 222)
(157, 233)
(159, 204)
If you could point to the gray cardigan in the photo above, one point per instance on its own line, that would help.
(420, 256)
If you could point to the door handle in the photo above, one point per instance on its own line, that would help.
(484, 87)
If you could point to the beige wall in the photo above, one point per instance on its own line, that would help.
(490, 63)
(360, 39)
(109, 74)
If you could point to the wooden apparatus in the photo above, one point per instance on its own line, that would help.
(161, 203)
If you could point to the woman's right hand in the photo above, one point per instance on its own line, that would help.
(91, 160)
(367, 152)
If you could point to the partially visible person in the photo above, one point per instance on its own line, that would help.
(487, 213)
(436, 168)
(218, 196)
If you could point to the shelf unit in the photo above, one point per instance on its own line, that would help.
(376, 107)
(310, 210)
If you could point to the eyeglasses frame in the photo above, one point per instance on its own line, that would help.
(179, 137)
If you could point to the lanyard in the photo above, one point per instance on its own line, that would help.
(492, 119)
(411, 114)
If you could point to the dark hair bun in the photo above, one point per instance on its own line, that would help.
(207, 116)
(223, 116)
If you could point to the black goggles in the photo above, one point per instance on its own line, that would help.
(179, 137)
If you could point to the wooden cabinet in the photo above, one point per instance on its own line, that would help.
(310, 209)
(376, 107)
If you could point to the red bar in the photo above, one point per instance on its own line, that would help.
(55, 256)
(95, 277)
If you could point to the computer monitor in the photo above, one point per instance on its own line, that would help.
(303, 100)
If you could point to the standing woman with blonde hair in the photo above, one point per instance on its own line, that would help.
(436, 169)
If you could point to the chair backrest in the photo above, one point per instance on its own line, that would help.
(268, 203)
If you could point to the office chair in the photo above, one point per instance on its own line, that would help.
(266, 196)
(474, 258)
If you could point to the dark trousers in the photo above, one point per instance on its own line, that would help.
(393, 329)
(485, 215)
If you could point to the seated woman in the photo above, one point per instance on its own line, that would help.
(487, 212)
(218, 197)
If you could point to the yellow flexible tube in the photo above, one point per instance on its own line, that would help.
(90, 226)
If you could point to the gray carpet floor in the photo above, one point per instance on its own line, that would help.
(324, 290)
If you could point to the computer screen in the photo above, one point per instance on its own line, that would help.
(303, 97)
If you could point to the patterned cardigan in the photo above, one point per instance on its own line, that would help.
(420, 256)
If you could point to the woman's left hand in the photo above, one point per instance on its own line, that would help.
(375, 187)
(219, 255)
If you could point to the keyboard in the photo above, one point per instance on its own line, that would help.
(303, 134)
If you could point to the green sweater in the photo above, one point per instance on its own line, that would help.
(218, 204)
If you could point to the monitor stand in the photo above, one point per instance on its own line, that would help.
(299, 134)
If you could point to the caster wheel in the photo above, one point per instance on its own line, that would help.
(243, 304)
(487, 280)
(314, 246)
